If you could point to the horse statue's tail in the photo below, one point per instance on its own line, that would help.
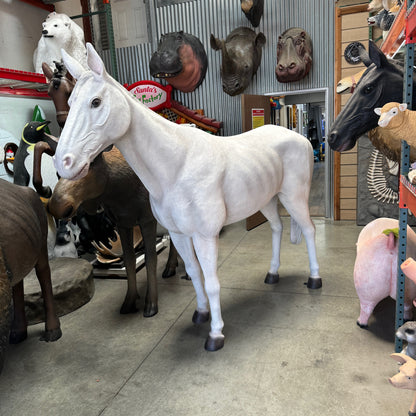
(295, 232)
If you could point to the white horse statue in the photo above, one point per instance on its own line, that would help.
(197, 182)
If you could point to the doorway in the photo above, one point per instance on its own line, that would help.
(306, 112)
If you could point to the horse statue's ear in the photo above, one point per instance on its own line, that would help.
(378, 111)
(47, 71)
(72, 65)
(94, 60)
(365, 58)
(376, 55)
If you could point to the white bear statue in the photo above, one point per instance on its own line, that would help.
(59, 31)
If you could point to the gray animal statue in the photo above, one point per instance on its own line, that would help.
(181, 60)
(383, 19)
(241, 56)
(294, 55)
(253, 10)
(23, 246)
(382, 82)
(407, 332)
(114, 185)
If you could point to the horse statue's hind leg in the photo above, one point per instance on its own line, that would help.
(296, 205)
(270, 211)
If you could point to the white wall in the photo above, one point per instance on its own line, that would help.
(20, 30)
(69, 7)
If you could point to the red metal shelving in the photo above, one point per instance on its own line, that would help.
(411, 24)
(22, 83)
(397, 33)
(407, 193)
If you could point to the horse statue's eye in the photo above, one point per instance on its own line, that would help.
(368, 89)
(95, 102)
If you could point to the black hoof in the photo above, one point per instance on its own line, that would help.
(362, 326)
(150, 310)
(125, 309)
(17, 336)
(51, 336)
(186, 277)
(271, 278)
(200, 317)
(168, 272)
(314, 283)
(214, 344)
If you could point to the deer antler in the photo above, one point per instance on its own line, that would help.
(115, 252)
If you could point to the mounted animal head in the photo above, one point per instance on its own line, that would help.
(60, 87)
(381, 83)
(348, 84)
(383, 19)
(388, 114)
(98, 117)
(294, 55)
(253, 10)
(181, 60)
(241, 56)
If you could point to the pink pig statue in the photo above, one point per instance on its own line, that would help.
(406, 377)
(375, 269)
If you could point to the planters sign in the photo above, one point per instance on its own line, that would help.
(152, 94)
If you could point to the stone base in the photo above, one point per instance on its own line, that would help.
(73, 286)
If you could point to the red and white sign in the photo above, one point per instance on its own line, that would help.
(152, 94)
(257, 117)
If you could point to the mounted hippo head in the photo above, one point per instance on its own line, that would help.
(241, 57)
(253, 9)
(181, 60)
(294, 55)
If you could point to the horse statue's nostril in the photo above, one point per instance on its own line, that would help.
(333, 137)
(67, 161)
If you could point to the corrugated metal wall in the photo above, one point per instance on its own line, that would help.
(220, 17)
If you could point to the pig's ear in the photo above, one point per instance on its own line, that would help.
(401, 358)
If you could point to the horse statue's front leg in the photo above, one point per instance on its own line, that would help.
(207, 252)
(185, 249)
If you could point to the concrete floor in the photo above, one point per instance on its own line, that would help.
(288, 350)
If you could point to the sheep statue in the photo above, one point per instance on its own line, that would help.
(397, 123)
(377, 5)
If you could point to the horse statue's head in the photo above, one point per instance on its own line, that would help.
(99, 115)
(381, 83)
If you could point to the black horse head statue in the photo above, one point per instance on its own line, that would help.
(381, 83)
